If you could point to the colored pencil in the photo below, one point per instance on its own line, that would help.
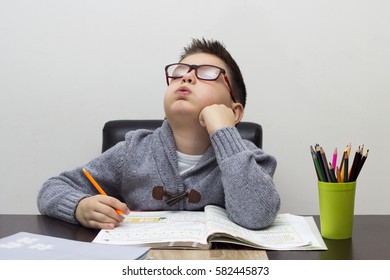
(362, 161)
(356, 160)
(315, 161)
(317, 165)
(347, 171)
(332, 174)
(342, 161)
(334, 160)
(338, 174)
(325, 162)
(321, 163)
(346, 160)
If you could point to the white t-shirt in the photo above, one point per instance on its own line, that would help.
(186, 162)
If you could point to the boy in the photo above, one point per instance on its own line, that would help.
(196, 158)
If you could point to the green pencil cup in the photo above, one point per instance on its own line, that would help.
(337, 202)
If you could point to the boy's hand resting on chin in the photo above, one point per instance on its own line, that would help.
(216, 116)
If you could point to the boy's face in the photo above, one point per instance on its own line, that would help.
(188, 96)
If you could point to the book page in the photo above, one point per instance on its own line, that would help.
(287, 231)
(157, 227)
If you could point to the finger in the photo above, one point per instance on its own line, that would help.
(123, 207)
(106, 209)
(102, 220)
(201, 119)
(120, 208)
(100, 225)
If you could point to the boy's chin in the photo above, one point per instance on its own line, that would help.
(187, 112)
(182, 118)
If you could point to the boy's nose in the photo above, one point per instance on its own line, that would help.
(189, 77)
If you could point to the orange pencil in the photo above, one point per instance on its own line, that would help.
(338, 174)
(97, 187)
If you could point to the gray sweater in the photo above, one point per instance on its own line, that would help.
(233, 173)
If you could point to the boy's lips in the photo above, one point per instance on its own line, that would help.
(183, 90)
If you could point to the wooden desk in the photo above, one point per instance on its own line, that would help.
(371, 240)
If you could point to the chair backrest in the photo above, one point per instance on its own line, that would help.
(115, 131)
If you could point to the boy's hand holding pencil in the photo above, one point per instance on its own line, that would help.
(100, 211)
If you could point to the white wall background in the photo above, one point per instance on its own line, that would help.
(316, 72)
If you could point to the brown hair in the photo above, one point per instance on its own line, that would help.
(217, 48)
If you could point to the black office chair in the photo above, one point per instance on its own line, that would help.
(114, 131)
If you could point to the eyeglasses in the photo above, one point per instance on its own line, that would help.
(202, 72)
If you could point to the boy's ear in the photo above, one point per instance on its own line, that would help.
(238, 110)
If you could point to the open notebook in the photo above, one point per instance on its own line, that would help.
(198, 230)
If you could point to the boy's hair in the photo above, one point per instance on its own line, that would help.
(216, 48)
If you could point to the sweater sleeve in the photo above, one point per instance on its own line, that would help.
(251, 199)
(60, 195)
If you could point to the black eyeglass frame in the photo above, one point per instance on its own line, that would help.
(195, 67)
